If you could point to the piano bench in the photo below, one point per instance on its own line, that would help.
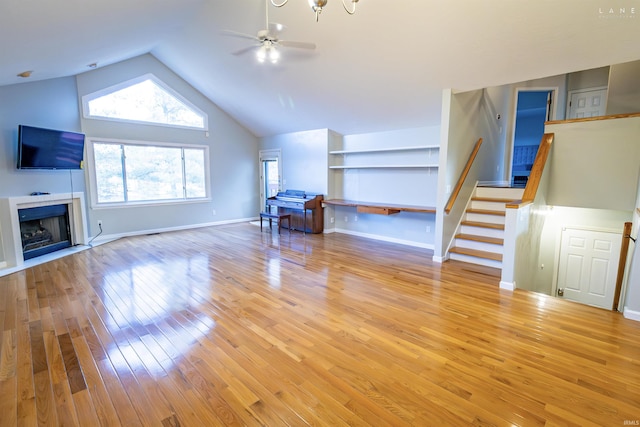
(280, 217)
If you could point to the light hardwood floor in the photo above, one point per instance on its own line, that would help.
(232, 326)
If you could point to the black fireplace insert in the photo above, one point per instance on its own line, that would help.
(44, 229)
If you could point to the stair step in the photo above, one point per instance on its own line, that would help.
(483, 239)
(504, 192)
(483, 225)
(476, 253)
(486, 212)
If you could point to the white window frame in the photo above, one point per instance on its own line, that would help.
(123, 85)
(108, 205)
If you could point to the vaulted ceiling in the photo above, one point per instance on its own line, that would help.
(383, 68)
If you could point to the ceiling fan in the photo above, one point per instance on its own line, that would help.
(267, 41)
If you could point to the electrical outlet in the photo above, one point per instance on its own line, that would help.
(355, 218)
(333, 220)
(346, 219)
(214, 212)
(428, 229)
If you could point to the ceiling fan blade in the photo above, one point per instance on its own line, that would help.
(237, 34)
(245, 50)
(299, 45)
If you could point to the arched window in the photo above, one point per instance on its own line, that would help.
(145, 99)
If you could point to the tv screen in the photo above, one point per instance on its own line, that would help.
(49, 149)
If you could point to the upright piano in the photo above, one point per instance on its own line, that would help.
(305, 209)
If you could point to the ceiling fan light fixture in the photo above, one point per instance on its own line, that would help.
(274, 55)
(261, 54)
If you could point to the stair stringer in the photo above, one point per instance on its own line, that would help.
(462, 218)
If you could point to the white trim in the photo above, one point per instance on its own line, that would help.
(269, 155)
(385, 239)
(439, 259)
(631, 314)
(509, 286)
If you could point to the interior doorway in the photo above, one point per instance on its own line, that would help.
(588, 266)
(270, 175)
(533, 108)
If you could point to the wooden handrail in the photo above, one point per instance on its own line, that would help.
(591, 119)
(624, 251)
(463, 176)
(539, 163)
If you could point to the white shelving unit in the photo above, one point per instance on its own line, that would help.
(370, 158)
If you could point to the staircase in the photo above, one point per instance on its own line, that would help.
(479, 238)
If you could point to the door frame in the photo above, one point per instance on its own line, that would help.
(269, 155)
(552, 116)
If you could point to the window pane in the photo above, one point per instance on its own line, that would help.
(146, 102)
(194, 173)
(153, 173)
(108, 167)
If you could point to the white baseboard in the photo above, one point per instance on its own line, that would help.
(439, 259)
(111, 237)
(509, 286)
(631, 314)
(384, 238)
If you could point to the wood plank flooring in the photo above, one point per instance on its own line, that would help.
(228, 325)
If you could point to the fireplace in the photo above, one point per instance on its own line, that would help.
(44, 230)
(68, 228)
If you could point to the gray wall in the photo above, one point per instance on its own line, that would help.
(624, 88)
(597, 77)
(233, 155)
(49, 104)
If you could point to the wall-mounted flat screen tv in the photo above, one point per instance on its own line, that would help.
(40, 148)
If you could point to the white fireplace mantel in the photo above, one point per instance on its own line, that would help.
(10, 223)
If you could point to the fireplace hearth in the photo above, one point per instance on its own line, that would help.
(44, 229)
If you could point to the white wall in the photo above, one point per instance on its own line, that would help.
(595, 164)
(417, 187)
(304, 159)
(233, 156)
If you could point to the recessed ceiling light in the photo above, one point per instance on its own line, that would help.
(25, 74)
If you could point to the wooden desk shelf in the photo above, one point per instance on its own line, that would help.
(378, 208)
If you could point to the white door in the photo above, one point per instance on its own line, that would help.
(588, 266)
(587, 103)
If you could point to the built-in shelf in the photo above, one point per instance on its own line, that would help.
(394, 160)
(383, 166)
(382, 150)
